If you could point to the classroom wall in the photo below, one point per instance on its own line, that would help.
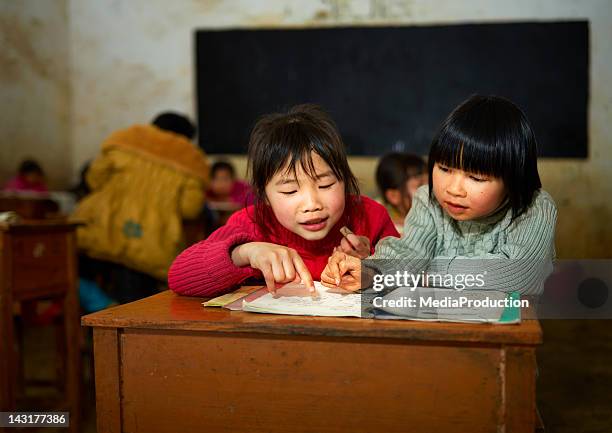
(131, 59)
(34, 87)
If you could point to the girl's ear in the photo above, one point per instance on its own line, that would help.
(393, 196)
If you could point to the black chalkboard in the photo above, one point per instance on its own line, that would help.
(388, 88)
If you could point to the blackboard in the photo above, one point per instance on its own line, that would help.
(388, 88)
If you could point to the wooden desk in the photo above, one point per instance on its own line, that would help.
(166, 364)
(38, 261)
(31, 206)
(223, 211)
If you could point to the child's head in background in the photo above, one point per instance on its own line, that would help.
(398, 176)
(222, 178)
(31, 172)
(484, 156)
(175, 122)
(30, 177)
(299, 171)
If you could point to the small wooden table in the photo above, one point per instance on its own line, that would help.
(38, 261)
(28, 205)
(166, 364)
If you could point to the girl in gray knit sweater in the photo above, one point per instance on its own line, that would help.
(483, 213)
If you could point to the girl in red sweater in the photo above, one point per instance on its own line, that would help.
(305, 193)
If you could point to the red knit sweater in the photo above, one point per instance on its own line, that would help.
(206, 268)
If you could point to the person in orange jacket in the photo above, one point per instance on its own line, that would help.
(146, 180)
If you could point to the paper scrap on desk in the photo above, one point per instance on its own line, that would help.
(295, 299)
(237, 304)
(223, 300)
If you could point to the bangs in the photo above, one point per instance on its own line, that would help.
(298, 151)
(484, 135)
(291, 145)
(469, 152)
(295, 160)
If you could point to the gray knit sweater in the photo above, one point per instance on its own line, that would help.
(512, 256)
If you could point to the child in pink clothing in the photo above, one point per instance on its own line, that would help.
(226, 188)
(29, 178)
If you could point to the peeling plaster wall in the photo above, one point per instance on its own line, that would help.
(34, 88)
(131, 59)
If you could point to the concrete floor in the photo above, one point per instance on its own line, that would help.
(574, 389)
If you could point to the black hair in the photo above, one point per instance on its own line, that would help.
(288, 139)
(222, 165)
(175, 122)
(30, 166)
(395, 168)
(82, 189)
(491, 136)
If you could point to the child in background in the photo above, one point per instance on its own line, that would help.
(225, 194)
(145, 181)
(30, 178)
(305, 193)
(398, 176)
(484, 211)
(225, 188)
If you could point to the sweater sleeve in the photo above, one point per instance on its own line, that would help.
(416, 248)
(206, 268)
(524, 260)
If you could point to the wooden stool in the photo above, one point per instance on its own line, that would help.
(38, 261)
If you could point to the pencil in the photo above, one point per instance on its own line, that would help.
(346, 231)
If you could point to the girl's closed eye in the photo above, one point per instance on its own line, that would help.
(288, 192)
(478, 178)
(327, 186)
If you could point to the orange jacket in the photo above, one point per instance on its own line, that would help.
(144, 182)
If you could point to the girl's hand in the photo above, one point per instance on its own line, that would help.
(278, 264)
(354, 245)
(342, 271)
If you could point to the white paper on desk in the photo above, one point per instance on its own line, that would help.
(295, 299)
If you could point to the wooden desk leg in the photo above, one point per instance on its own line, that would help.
(72, 329)
(107, 366)
(7, 340)
(519, 389)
